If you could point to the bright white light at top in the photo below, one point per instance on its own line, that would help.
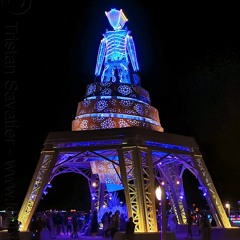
(158, 193)
(116, 18)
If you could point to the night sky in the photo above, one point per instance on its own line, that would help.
(189, 59)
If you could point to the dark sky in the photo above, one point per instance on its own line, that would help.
(188, 54)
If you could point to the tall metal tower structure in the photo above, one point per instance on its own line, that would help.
(117, 142)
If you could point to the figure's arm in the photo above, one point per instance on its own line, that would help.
(100, 57)
(132, 53)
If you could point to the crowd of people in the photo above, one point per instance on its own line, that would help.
(79, 223)
(203, 222)
(75, 224)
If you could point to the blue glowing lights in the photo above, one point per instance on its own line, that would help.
(114, 52)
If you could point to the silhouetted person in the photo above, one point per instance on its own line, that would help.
(205, 228)
(189, 225)
(122, 225)
(94, 223)
(13, 228)
(1, 222)
(172, 222)
(106, 225)
(115, 221)
(74, 224)
(130, 227)
(36, 227)
(69, 224)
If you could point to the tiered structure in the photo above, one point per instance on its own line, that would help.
(117, 142)
(116, 99)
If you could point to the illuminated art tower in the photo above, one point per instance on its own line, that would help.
(117, 142)
(116, 98)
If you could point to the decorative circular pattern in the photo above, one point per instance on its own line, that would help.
(95, 123)
(110, 105)
(119, 106)
(99, 89)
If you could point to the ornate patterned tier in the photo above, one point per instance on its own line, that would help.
(112, 105)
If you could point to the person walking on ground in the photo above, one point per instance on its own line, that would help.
(74, 233)
(36, 227)
(172, 222)
(69, 224)
(115, 221)
(122, 221)
(189, 225)
(106, 225)
(130, 228)
(13, 228)
(205, 228)
(94, 223)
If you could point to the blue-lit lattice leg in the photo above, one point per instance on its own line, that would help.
(36, 187)
(138, 179)
(174, 185)
(168, 171)
(103, 196)
(162, 180)
(212, 197)
(95, 188)
(99, 194)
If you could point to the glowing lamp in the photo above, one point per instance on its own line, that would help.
(158, 193)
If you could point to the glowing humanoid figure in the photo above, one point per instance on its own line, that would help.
(115, 50)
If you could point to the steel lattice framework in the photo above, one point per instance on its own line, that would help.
(144, 158)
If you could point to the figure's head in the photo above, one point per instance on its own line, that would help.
(116, 18)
